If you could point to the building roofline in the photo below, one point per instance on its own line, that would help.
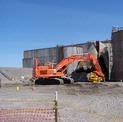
(78, 45)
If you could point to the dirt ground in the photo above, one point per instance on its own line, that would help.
(82, 102)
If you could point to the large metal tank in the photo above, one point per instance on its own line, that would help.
(29, 54)
(117, 47)
(72, 50)
(45, 55)
(28, 62)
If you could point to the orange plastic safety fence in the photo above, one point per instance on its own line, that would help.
(27, 115)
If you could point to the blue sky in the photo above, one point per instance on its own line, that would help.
(29, 24)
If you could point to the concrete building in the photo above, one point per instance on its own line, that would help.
(110, 53)
(117, 46)
(45, 55)
(55, 54)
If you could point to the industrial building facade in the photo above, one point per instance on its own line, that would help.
(102, 49)
(45, 55)
(55, 54)
(117, 47)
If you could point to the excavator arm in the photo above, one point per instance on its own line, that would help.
(78, 58)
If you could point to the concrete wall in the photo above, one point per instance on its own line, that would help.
(44, 55)
(69, 51)
(117, 46)
(28, 62)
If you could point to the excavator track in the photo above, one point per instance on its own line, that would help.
(61, 81)
(68, 80)
(45, 81)
(54, 81)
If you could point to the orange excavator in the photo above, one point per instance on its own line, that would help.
(59, 73)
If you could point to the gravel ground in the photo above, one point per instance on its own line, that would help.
(82, 102)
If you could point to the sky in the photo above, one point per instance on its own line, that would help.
(30, 24)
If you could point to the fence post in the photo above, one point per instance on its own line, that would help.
(32, 83)
(56, 107)
(0, 82)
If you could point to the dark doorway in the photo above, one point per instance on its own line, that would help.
(104, 67)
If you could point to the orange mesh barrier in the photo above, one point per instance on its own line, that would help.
(27, 115)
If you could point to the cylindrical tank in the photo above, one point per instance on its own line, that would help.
(117, 47)
(28, 62)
